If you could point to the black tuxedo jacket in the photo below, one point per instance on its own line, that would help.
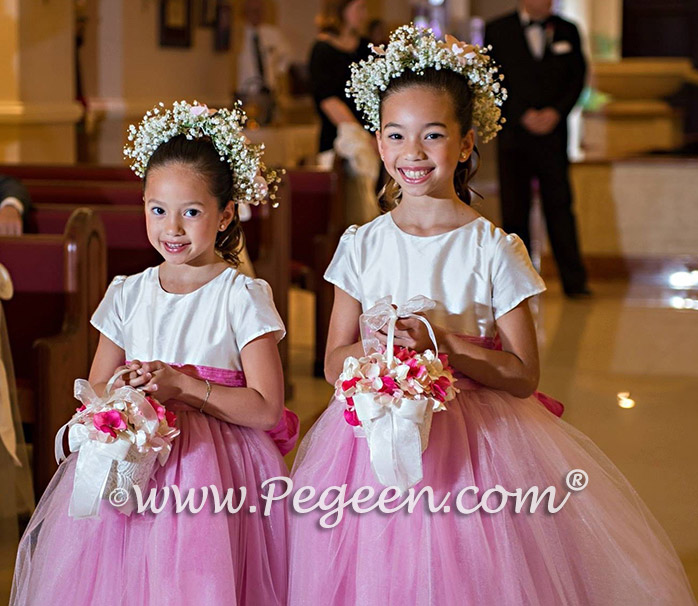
(556, 80)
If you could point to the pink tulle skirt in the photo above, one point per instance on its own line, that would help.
(150, 559)
(602, 548)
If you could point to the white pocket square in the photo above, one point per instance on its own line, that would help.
(561, 47)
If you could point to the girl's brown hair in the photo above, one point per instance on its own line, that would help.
(457, 87)
(202, 157)
(330, 19)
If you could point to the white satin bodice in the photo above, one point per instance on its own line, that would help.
(475, 273)
(206, 327)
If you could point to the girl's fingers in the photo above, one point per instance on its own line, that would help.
(141, 380)
(147, 367)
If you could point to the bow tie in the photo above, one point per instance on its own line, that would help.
(541, 22)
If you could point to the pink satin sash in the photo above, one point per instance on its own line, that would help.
(285, 434)
(466, 383)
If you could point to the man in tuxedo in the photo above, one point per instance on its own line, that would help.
(541, 58)
(263, 60)
(14, 206)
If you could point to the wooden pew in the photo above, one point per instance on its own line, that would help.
(59, 281)
(268, 239)
(128, 249)
(317, 223)
(92, 192)
(69, 172)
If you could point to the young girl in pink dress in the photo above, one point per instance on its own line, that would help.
(603, 547)
(201, 337)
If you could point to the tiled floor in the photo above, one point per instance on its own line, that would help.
(626, 338)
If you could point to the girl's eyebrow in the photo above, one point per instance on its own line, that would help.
(430, 124)
(191, 203)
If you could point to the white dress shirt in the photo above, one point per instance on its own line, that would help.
(275, 58)
(535, 35)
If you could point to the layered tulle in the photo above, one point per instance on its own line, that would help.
(165, 558)
(602, 548)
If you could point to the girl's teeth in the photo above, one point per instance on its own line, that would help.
(416, 174)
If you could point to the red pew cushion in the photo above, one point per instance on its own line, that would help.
(37, 308)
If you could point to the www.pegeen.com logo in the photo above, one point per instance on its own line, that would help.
(334, 501)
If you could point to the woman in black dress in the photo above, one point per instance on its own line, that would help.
(339, 43)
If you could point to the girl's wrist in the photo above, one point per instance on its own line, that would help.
(184, 385)
(442, 338)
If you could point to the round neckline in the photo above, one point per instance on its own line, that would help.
(184, 294)
(444, 233)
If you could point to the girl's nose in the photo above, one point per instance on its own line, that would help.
(415, 151)
(173, 226)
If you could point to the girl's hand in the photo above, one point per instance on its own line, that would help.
(411, 333)
(127, 379)
(159, 379)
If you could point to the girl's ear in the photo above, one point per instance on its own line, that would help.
(228, 212)
(380, 143)
(466, 145)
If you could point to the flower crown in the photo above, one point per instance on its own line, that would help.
(252, 182)
(417, 49)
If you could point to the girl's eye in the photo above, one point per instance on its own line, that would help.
(156, 210)
(434, 136)
(192, 212)
(394, 136)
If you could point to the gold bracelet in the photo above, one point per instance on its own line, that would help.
(208, 393)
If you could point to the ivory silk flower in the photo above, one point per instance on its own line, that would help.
(119, 438)
(411, 374)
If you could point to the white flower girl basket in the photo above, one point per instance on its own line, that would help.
(397, 430)
(108, 467)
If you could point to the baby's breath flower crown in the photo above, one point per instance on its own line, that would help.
(417, 49)
(252, 182)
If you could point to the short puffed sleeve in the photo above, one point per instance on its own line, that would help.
(343, 270)
(253, 312)
(108, 318)
(513, 276)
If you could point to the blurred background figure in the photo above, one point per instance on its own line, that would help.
(378, 32)
(541, 58)
(262, 63)
(339, 43)
(14, 206)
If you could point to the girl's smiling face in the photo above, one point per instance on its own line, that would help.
(182, 217)
(421, 143)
